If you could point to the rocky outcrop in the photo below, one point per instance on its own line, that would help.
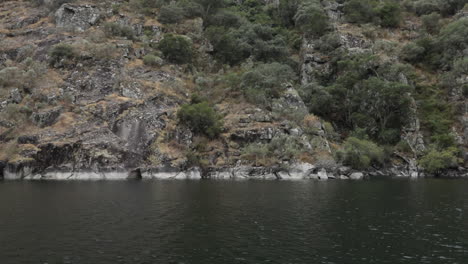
(77, 17)
(412, 132)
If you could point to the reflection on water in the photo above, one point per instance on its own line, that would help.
(421, 221)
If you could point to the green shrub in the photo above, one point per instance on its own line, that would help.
(360, 11)
(453, 39)
(444, 7)
(389, 14)
(15, 113)
(329, 42)
(360, 153)
(431, 23)
(152, 60)
(226, 19)
(10, 76)
(191, 8)
(151, 3)
(171, 14)
(201, 118)
(435, 161)
(61, 52)
(176, 48)
(258, 153)
(233, 45)
(118, 30)
(412, 53)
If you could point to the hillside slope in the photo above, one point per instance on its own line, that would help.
(204, 88)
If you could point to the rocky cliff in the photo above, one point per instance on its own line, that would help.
(100, 111)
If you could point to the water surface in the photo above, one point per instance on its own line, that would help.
(424, 221)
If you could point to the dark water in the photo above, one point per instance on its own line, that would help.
(423, 221)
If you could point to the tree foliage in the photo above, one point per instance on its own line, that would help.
(367, 94)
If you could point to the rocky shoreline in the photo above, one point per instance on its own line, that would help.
(296, 171)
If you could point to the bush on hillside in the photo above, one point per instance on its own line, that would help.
(61, 52)
(431, 23)
(177, 48)
(201, 118)
(359, 11)
(266, 81)
(360, 153)
(435, 161)
(171, 14)
(152, 60)
(118, 30)
(389, 14)
(234, 45)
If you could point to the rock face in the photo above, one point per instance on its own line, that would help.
(412, 133)
(76, 17)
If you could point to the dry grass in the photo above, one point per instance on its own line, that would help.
(65, 122)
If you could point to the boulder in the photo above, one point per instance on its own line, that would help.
(298, 171)
(322, 174)
(356, 176)
(343, 177)
(77, 17)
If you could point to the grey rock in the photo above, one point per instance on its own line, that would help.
(411, 133)
(343, 177)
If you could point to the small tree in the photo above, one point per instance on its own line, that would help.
(176, 48)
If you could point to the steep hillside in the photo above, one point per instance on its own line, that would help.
(222, 89)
